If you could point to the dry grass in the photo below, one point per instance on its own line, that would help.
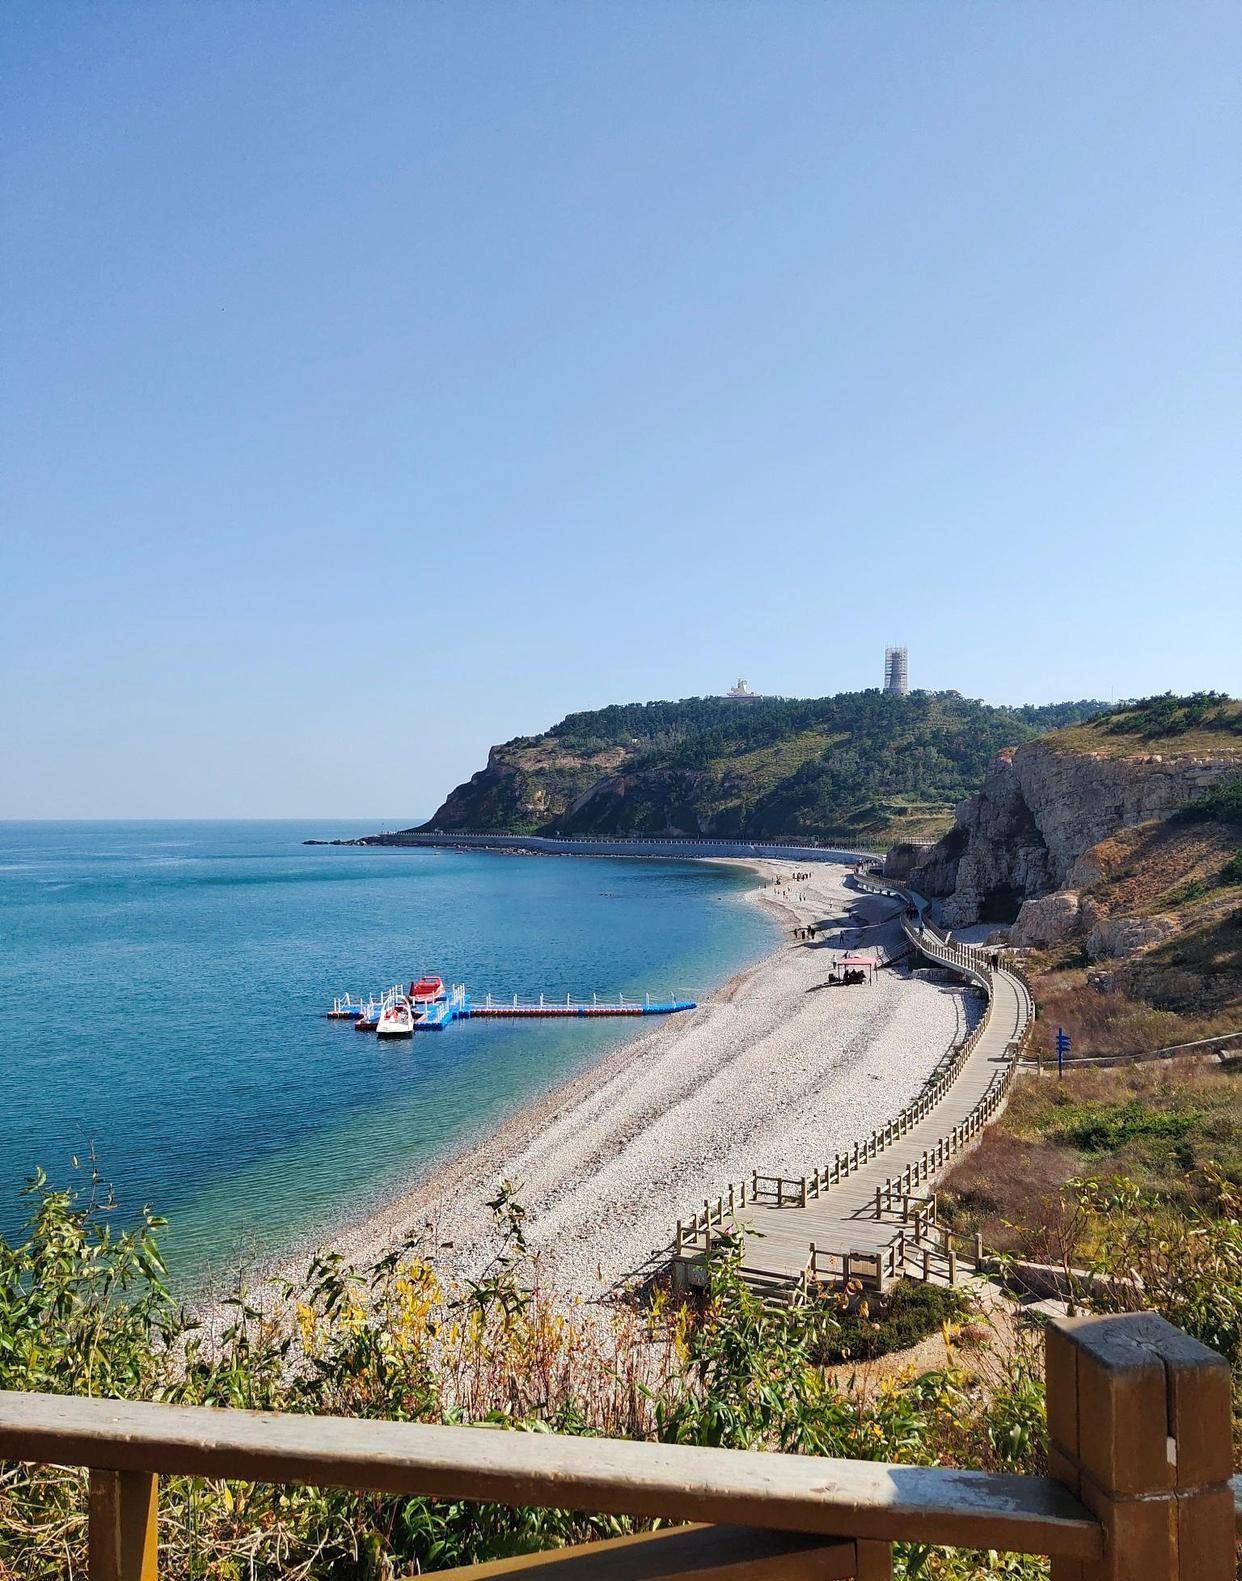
(1159, 1125)
(1101, 1017)
(1011, 1189)
(1150, 867)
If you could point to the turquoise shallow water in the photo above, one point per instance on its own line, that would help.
(162, 987)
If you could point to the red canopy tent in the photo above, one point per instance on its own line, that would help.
(867, 961)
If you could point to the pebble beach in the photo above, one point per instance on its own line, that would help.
(776, 1071)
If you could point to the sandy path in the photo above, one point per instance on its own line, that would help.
(770, 1073)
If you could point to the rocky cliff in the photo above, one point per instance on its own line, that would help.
(1026, 835)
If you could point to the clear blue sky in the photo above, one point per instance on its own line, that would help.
(387, 380)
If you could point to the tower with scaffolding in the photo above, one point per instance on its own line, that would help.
(896, 674)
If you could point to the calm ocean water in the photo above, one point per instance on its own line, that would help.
(162, 987)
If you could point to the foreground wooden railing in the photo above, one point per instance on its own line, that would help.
(1138, 1416)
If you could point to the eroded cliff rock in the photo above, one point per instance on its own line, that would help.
(1049, 920)
(1029, 831)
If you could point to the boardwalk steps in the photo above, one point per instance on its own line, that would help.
(868, 1216)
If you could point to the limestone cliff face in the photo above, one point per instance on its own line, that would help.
(1041, 809)
(525, 786)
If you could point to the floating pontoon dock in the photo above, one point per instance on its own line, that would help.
(457, 1005)
(646, 1006)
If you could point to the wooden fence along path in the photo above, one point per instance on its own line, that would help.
(868, 1213)
(1138, 1486)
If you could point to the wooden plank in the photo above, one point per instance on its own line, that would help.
(706, 1553)
(121, 1526)
(867, 1499)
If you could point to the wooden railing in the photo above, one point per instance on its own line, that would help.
(694, 1234)
(1139, 1462)
(868, 1270)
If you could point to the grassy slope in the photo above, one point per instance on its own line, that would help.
(1157, 1124)
(1203, 724)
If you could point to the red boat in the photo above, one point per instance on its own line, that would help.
(427, 990)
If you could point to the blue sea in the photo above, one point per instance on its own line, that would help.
(163, 988)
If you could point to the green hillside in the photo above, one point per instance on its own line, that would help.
(1203, 723)
(861, 767)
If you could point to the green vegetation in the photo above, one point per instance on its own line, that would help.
(1173, 1131)
(1131, 1176)
(85, 1309)
(1106, 1128)
(1222, 804)
(908, 1314)
(858, 767)
(1168, 716)
(1200, 723)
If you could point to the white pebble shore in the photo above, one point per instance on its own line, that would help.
(773, 1072)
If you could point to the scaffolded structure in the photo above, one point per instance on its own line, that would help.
(896, 674)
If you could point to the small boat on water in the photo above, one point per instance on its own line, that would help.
(396, 1019)
(427, 990)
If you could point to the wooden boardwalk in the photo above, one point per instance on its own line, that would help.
(868, 1213)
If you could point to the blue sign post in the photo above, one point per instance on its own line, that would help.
(1063, 1048)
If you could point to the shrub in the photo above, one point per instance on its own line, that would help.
(85, 1309)
(877, 1327)
(1103, 1128)
(1222, 804)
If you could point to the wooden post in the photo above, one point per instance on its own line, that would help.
(730, 1197)
(1139, 1430)
(802, 1200)
(952, 1266)
(927, 1265)
(679, 1238)
(877, 1202)
(873, 1561)
(978, 1250)
(121, 1526)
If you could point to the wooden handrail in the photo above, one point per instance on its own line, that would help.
(1139, 1423)
(866, 1499)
